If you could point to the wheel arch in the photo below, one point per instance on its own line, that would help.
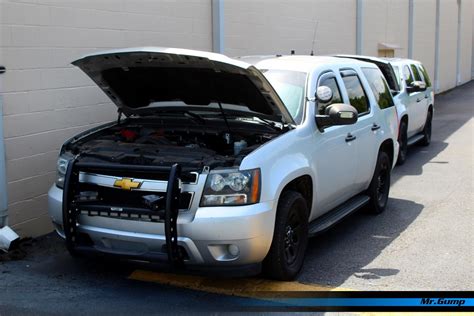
(388, 146)
(303, 185)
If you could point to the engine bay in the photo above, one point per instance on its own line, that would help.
(144, 143)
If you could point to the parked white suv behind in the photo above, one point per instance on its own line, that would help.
(414, 99)
(209, 168)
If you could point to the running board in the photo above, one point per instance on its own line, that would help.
(415, 139)
(332, 217)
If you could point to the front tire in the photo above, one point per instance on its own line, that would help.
(427, 130)
(380, 185)
(290, 238)
(403, 141)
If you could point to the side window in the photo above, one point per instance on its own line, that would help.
(379, 87)
(356, 93)
(396, 69)
(416, 74)
(426, 77)
(336, 94)
(407, 75)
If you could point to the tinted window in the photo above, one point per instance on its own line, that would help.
(357, 95)
(379, 87)
(407, 75)
(426, 77)
(336, 94)
(396, 69)
(289, 86)
(415, 72)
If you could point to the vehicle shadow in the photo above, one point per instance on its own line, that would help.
(452, 110)
(344, 250)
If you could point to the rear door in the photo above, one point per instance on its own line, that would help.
(364, 130)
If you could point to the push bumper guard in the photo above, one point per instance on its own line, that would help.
(72, 209)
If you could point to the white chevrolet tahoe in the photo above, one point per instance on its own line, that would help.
(414, 99)
(212, 162)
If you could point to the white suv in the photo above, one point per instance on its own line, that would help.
(414, 99)
(209, 168)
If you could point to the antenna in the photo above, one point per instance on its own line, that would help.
(314, 37)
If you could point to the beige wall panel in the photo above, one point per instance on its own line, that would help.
(424, 24)
(46, 100)
(466, 40)
(448, 44)
(385, 21)
(277, 27)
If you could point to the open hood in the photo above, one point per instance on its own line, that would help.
(383, 65)
(138, 79)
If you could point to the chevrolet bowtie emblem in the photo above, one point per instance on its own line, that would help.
(127, 184)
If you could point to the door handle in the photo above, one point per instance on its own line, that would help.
(375, 127)
(426, 96)
(350, 137)
(418, 100)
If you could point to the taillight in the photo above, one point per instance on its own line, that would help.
(398, 122)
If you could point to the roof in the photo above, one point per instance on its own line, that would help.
(303, 63)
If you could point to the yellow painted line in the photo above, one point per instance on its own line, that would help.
(246, 287)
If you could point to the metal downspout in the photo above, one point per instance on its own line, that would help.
(218, 26)
(458, 53)
(359, 26)
(437, 48)
(3, 178)
(410, 28)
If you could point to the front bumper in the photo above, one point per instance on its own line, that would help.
(214, 236)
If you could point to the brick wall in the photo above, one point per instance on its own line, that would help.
(46, 100)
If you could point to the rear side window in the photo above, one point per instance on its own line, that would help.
(356, 93)
(379, 87)
(425, 75)
(416, 74)
(407, 75)
(336, 94)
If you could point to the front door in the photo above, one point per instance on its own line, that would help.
(334, 155)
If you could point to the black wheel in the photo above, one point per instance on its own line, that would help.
(427, 130)
(403, 142)
(290, 238)
(380, 185)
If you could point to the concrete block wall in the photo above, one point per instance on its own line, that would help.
(385, 21)
(46, 100)
(277, 27)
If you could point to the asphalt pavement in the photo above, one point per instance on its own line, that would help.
(423, 241)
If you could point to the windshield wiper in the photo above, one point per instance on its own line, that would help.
(266, 122)
(195, 116)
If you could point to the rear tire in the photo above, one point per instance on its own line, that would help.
(427, 130)
(290, 238)
(380, 185)
(403, 141)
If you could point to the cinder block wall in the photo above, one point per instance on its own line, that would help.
(46, 100)
(277, 27)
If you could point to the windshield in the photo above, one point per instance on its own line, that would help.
(289, 86)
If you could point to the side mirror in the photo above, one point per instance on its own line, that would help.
(337, 114)
(324, 94)
(416, 86)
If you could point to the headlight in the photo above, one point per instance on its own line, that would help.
(232, 187)
(61, 168)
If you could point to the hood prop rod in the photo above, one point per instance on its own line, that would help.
(216, 94)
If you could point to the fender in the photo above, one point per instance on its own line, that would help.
(281, 161)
